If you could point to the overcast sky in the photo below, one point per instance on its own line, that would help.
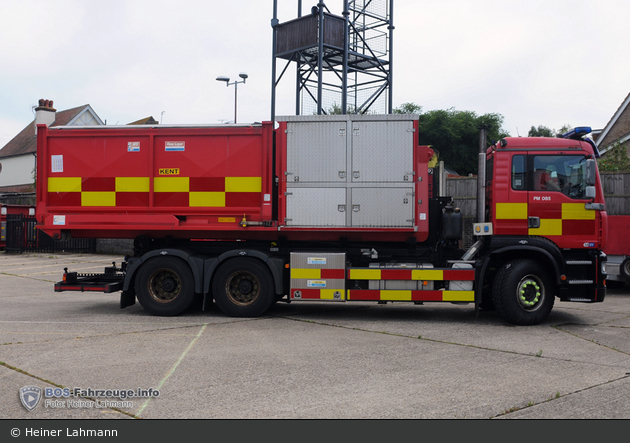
(551, 62)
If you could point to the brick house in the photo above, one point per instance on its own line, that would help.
(17, 158)
(617, 130)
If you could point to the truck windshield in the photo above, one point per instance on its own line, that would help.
(560, 173)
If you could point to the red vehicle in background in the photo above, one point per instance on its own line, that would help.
(618, 249)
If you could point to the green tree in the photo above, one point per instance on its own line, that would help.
(541, 131)
(455, 135)
(408, 108)
(544, 131)
(615, 160)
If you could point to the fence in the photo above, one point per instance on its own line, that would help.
(22, 235)
(616, 192)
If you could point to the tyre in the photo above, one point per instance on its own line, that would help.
(243, 287)
(523, 292)
(625, 268)
(165, 286)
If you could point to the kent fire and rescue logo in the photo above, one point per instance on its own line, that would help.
(30, 396)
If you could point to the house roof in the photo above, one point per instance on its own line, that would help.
(617, 129)
(26, 141)
(145, 121)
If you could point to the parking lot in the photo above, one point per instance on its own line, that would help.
(303, 360)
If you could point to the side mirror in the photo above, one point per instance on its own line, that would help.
(591, 172)
(589, 192)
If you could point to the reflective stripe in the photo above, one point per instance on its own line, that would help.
(207, 199)
(427, 274)
(365, 274)
(306, 273)
(458, 296)
(428, 296)
(576, 211)
(98, 199)
(511, 211)
(393, 295)
(170, 184)
(329, 294)
(132, 184)
(548, 226)
(243, 184)
(64, 184)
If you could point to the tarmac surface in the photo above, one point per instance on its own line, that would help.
(305, 360)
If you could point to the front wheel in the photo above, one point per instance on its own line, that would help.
(243, 287)
(523, 293)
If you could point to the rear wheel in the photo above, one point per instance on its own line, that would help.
(165, 286)
(243, 287)
(523, 292)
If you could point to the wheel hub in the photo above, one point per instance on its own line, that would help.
(245, 286)
(530, 293)
(168, 284)
(242, 288)
(164, 286)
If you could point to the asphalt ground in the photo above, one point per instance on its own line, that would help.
(307, 360)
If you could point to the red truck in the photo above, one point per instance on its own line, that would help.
(321, 208)
(618, 249)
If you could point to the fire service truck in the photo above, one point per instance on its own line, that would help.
(322, 208)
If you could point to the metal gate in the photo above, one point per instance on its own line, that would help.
(22, 235)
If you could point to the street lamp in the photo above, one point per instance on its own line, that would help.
(235, 83)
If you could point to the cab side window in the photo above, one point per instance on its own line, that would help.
(519, 173)
(560, 174)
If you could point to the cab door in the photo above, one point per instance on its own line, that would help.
(508, 196)
(558, 207)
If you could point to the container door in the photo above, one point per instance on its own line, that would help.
(324, 207)
(382, 151)
(383, 207)
(316, 152)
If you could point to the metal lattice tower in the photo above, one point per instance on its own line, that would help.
(343, 63)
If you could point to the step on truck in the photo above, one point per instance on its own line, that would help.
(322, 208)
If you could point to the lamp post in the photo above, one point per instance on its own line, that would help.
(235, 83)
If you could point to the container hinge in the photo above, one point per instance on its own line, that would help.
(411, 130)
(288, 131)
(288, 173)
(288, 193)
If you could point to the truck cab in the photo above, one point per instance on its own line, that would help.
(545, 204)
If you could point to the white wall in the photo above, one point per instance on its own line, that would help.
(17, 170)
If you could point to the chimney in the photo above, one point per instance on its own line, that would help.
(45, 114)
